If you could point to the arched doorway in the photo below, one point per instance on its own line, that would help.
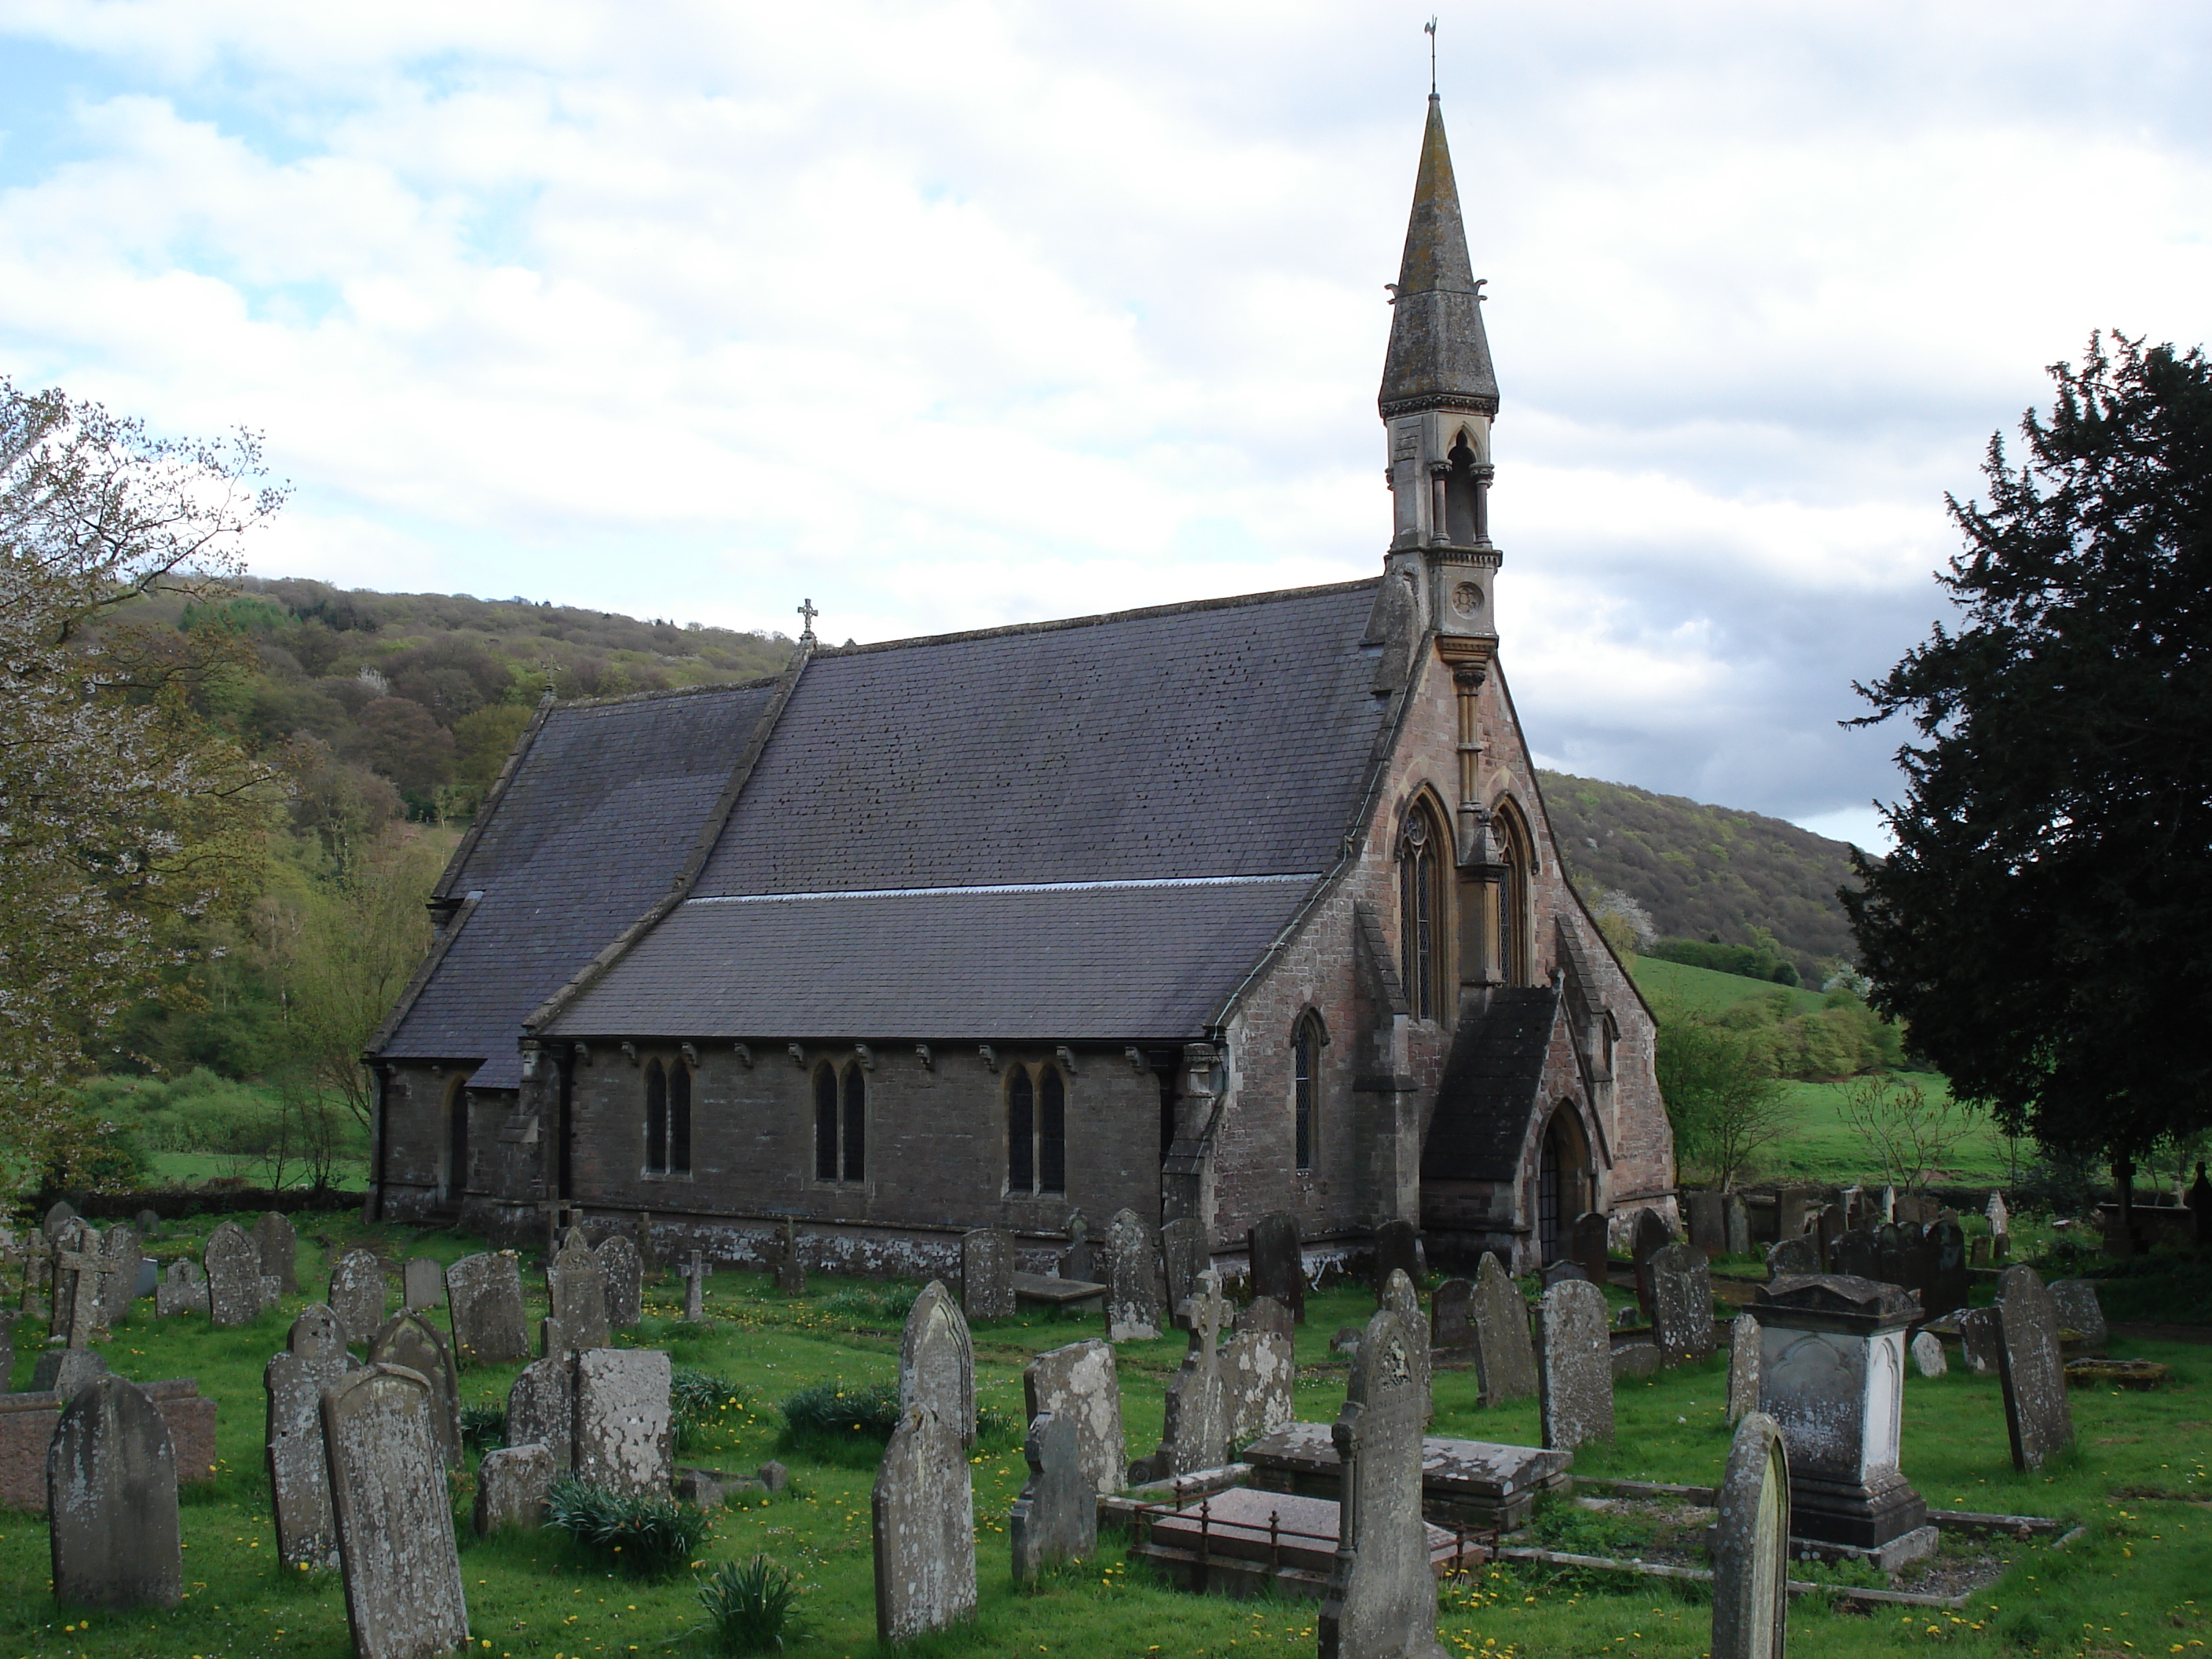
(1563, 1182)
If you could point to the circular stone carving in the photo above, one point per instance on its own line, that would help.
(1467, 598)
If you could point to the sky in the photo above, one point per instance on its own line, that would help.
(948, 315)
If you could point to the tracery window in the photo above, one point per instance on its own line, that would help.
(1036, 1132)
(667, 1118)
(841, 1123)
(1420, 912)
(1515, 862)
(1306, 1040)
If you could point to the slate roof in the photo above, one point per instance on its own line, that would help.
(596, 821)
(1491, 1088)
(1438, 353)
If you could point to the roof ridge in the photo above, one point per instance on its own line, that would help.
(671, 692)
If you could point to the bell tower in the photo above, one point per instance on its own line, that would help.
(1439, 396)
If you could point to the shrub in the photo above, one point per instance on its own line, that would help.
(749, 1608)
(645, 1537)
(697, 1402)
(831, 1410)
(483, 1428)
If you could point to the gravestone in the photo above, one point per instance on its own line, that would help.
(112, 1501)
(1978, 1250)
(541, 1409)
(621, 1269)
(421, 1284)
(694, 1273)
(314, 1358)
(1945, 1287)
(1451, 1321)
(1574, 1366)
(1708, 1222)
(1279, 1262)
(2038, 1419)
(1557, 1274)
(937, 1362)
(1056, 1516)
(512, 1485)
(1829, 1227)
(1743, 1367)
(57, 1218)
(923, 1521)
(1649, 1236)
(1682, 1304)
(1892, 1265)
(1260, 1371)
(1078, 1262)
(1858, 1255)
(412, 1343)
(1590, 1240)
(483, 1299)
(65, 1371)
(1079, 1386)
(1381, 1601)
(790, 1269)
(184, 1290)
(76, 1269)
(1979, 1338)
(1504, 1358)
(2080, 1311)
(1133, 1280)
(395, 1517)
(1183, 1256)
(987, 1273)
(357, 1295)
(120, 1256)
(1751, 1545)
(278, 1244)
(1928, 1355)
(624, 1426)
(1886, 1207)
(576, 1292)
(1397, 1250)
(233, 1271)
(1195, 1434)
(1794, 1210)
(9, 1317)
(1736, 1223)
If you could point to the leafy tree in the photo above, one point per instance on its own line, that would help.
(1907, 1131)
(2041, 925)
(123, 818)
(1722, 1099)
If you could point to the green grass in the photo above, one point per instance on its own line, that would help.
(198, 1168)
(536, 1595)
(1703, 991)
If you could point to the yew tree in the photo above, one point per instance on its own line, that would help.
(2044, 925)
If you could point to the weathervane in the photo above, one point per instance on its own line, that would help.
(806, 609)
(1429, 28)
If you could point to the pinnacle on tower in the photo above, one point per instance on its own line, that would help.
(1438, 357)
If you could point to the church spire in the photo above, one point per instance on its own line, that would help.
(1438, 357)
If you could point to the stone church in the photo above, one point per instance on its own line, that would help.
(1207, 910)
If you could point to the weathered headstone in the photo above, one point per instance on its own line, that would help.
(2038, 1418)
(233, 1271)
(184, 1290)
(937, 1362)
(512, 1486)
(148, 1223)
(1828, 1228)
(1260, 1371)
(395, 1517)
(2080, 1312)
(1743, 1367)
(413, 1343)
(1133, 1280)
(1978, 1250)
(1856, 1255)
(622, 1271)
(1649, 1236)
(1078, 1262)
(1979, 1338)
(1056, 1516)
(923, 1515)
(1397, 1250)
(624, 1424)
(987, 1273)
(278, 1244)
(65, 1370)
(1504, 1358)
(1279, 1262)
(1557, 1274)
(1751, 1545)
(1947, 1283)
(1382, 1598)
(120, 1256)
(1682, 1304)
(1195, 1432)
(112, 1501)
(1736, 1223)
(1079, 1386)
(1591, 1239)
(8, 1319)
(1183, 1256)
(1928, 1355)
(1708, 1221)
(576, 1292)
(790, 1266)
(1574, 1369)
(541, 1409)
(358, 1293)
(421, 1284)
(76, 1266)
(1794, 1211)
(57, 1218)
(1886, 1207)
(1451, 1321)
(483, 1298)
(314, 1358)
(694, 1273)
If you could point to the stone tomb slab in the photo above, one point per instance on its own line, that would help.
(1244, 1538)
(1472, 1483)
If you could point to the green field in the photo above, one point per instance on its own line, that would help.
(1701, 991)
(2139, 1484)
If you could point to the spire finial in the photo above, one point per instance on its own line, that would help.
(806, 609)
(1429, 28)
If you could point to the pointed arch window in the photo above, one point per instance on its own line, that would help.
(841, 1123)
(667, 1118)
(1420, 912)
(1306, 1041)
(1513, 864)
(679, 1118)
(1463, 497)
(1036, 1132)
(656, 1119)
(457, 1138)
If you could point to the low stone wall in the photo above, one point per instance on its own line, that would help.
(27, 1428)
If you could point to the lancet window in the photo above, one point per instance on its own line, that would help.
(1036, 1132)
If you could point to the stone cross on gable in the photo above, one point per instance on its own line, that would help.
(806, 609)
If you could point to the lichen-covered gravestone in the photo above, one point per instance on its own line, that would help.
(790, 1266)
(1397, 1250)
(1504, 1358)
(315, 1358)
(1183, 1257)
(1751, 1545)
(512, 1486)
(65, 1370)
(937, 1362)
(1382, 1601)
(922, 1511)
(1743, 1367)
(2080, 1312)
(2038, 1418)
(119, 1257)
(357, 1294)
(183, 1291)
(483, 1296)
(1194, 1432)
(1078, 1263)
(1649, 1236)
(1738, 1219)
(233, 1271)
(1133, 1280)
(112, 1501)
(1591, 1240)
(1451, 1320)
(1708, 1221)
(1279, 1262)
(1928, 1355)
(1574, 1369)
(1682, 1304)
(278, 1242)
(1079, 1385)
(622, 1271)
(541, 1409)
(623, 1423)
(1792, 1258)
(422, 1284)
(413, 1343)
(1979, 1338)
(1260, 1372)
(395, 1516)
(987, 1273)
(577, 1293)
(1056, 1516)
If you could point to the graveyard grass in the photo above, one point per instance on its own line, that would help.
(2138, 1582)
